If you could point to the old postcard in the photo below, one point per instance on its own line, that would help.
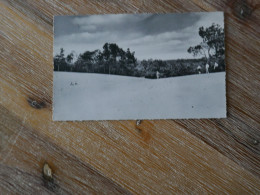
(139, 66)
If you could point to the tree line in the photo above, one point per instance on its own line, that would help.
(111, 60)
(114, 60)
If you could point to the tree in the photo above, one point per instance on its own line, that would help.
(114, 53)
(106, 55)
(99, 59)
(131, 62)
(85, 61)
(60, 61)
(69, 57)
(212, 44)
(69, 60)
(144, 64)
(122, 61)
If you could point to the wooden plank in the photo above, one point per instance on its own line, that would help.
(155, 157)
(238, 136)
(23, 154)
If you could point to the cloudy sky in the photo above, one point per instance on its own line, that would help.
(157, 36)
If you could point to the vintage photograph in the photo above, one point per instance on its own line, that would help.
(139, 66)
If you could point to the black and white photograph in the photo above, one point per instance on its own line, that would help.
(139, 66)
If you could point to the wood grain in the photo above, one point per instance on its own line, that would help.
(160, 156)
(24, 154)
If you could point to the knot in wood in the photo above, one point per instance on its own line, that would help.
(242, 9)
(138, 122)
(255, 142)
(47, 172)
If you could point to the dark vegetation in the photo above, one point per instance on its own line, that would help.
(114, 60)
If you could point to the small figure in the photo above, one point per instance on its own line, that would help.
(199, 69)
(207, 68)
(215, 65)
(157, 74)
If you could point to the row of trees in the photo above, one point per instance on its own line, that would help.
(111, 60)
(114, 60)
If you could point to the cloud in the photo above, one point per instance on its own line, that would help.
(164, 36)
(206, 20)
(112, 22)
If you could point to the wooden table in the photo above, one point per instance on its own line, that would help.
(120, 157)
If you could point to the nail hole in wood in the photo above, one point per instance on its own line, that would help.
(245, 11)
(47, 172)
(36, 104)
(242, 9)
(138, 122)
(255, 142)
